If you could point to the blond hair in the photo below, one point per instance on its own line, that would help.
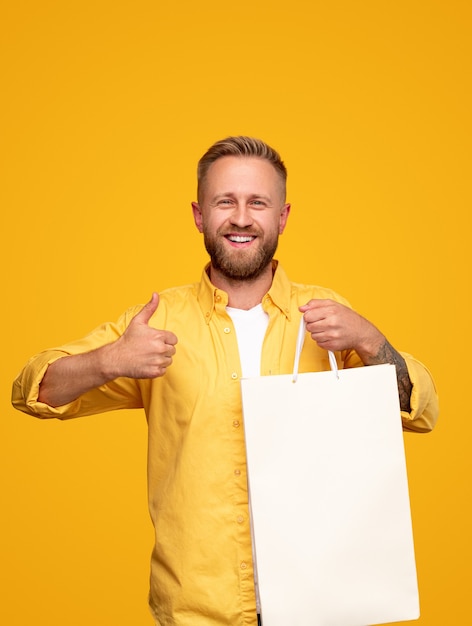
(243, 147)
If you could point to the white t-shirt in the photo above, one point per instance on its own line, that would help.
(250, 329)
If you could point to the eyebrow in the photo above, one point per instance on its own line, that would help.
(231, 194)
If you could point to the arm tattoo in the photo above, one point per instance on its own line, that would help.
(388, 354)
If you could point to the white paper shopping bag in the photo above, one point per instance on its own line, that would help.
(329, 497)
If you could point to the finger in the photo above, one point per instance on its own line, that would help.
(170, 339)
(148, 309)
(317, 303)
(315, 316)
(305, 307)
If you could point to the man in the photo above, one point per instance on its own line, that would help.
(241, 320)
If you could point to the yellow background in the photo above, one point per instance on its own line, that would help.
(106, 106)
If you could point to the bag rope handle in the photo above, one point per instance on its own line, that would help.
(300, 339)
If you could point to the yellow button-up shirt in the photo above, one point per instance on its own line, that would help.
(202, 567)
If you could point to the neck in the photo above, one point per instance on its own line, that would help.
(243, 294)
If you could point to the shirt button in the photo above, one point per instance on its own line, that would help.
(226, 330)
(236, 423)
(240, 519)
(243, 565)
(237, 472)
(234, 375)
(217, 298)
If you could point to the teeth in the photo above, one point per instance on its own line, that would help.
(240, 239)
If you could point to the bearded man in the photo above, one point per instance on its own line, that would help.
(181, 356)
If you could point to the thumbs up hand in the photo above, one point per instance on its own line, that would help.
(143, 351)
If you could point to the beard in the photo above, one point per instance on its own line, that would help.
(244, 264)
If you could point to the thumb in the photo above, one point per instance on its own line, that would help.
(148, 309)
(314, 303)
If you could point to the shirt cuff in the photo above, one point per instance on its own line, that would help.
(424, 407)
(30, 379)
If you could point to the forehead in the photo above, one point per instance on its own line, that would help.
(239, 174)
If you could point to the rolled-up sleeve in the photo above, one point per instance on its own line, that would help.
(121, 393)
(424, 404)
(26, 387)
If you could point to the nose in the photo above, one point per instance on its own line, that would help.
(241, 216)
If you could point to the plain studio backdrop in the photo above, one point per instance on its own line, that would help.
(105, 109)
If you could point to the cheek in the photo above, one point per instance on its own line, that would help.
(210, 225)
(217, 222)
(276, 227)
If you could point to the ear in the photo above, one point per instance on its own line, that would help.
(197, 216)
(283, 217)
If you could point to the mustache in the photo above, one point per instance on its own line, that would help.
(248, 232)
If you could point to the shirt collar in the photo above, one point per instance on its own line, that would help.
(210, 297)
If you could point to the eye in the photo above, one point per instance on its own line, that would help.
(258, 203)
(225, 202)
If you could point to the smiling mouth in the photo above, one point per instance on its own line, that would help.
(240, 238)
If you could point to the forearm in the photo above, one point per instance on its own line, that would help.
(71, 376)
(385, 353)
